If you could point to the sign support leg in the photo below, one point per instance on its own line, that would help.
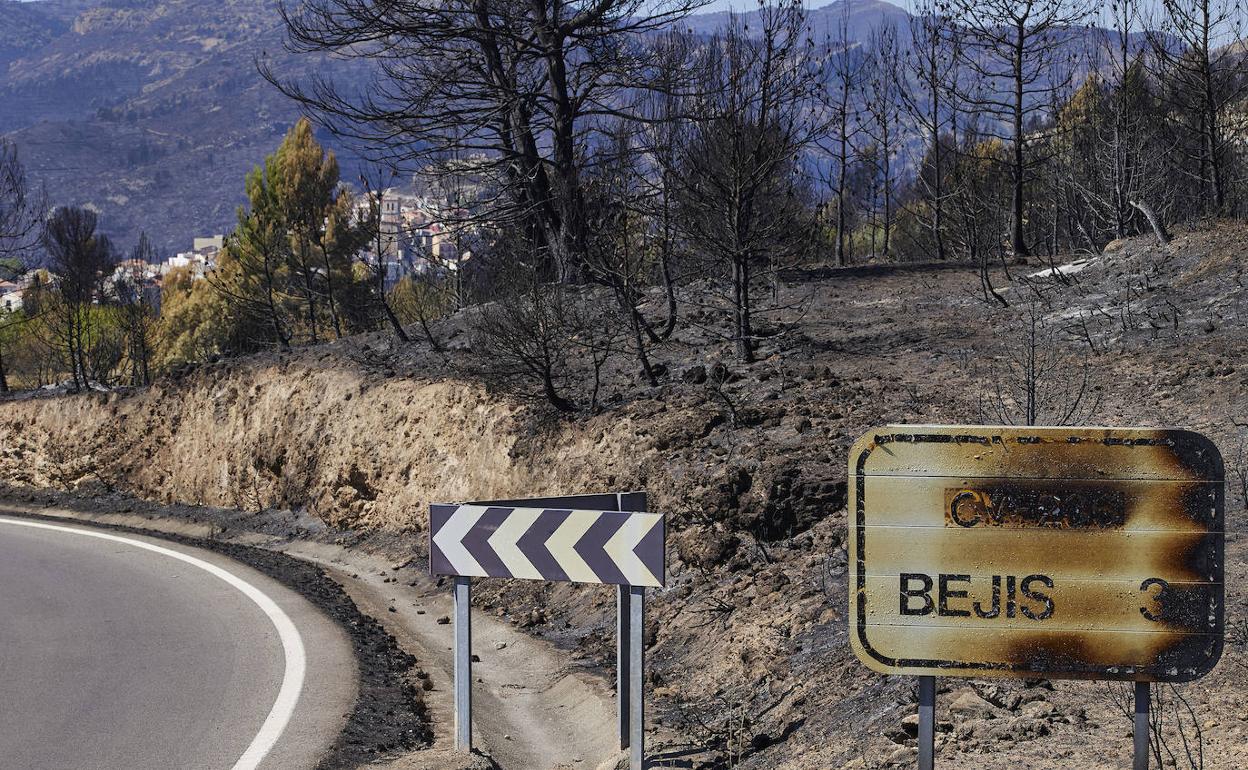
(463, 664)
(1142, 696)
(622, 660)
(927, 722)
(637, 652)
(625, 501)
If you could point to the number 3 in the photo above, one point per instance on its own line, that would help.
(1162, 588)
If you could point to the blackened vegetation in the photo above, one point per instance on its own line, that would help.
(795, 504)
(1032, 379)
(390, 715)
(1176, 736)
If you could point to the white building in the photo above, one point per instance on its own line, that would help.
(11, 294)
(10, 301)
(200, 259)
(212, 243)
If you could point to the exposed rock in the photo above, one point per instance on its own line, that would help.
(706, 546)
(902, 756)
(969, 704)
(969, 729)
(1040, 709)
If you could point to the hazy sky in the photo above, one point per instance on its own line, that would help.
(746, 5)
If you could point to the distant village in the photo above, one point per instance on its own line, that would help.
(419, 234)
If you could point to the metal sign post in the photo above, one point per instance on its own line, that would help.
(463, 664)
(1142, 697)
(583, 539)
(637, 664)
(623, 657)
(625, 646)
(927, 722)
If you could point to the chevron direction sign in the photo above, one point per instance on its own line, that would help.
(579, 546)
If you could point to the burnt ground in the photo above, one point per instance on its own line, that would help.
(749, 662)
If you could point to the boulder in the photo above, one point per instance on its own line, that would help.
(969, 704)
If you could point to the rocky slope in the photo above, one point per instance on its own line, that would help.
(750, 663)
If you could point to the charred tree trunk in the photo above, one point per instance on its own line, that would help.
(1154, 221)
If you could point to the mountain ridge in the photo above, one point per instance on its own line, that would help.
(151, 112)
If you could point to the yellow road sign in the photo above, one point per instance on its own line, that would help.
(1058, 552)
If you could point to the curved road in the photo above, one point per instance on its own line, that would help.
(119, 651)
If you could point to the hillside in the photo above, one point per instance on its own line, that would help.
(152, 111)
(149, 111)
(861, 18)
(750, 660)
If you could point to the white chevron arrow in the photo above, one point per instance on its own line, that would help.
(562, 546)
(503, 541)
(450, 539)
(623, 544)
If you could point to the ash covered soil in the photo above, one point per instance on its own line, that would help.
(749, 661)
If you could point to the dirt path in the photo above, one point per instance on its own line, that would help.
(533, 708)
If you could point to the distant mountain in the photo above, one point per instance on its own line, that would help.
(25, 27)
(861, 17)
(151, 111)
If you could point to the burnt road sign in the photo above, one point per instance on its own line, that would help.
(1058, 552)
(614, 547)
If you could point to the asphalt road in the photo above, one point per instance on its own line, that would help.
(126, 652)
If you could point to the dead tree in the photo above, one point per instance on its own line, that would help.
(1017, 58)
(617, 256)
(20, 212)
(845, 69)
(1031, 380)
(526, 339)
(1175, 733)
(250, 271)
(1203, 81)
(743, 200)
(1127, 142)
(924, 75)
(1115, 152)
(882, 100)
(663, 132)
(80, 258)
(521, 87)
(20, 227)
(380, 243)
(136, 311)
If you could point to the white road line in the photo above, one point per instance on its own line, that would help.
(292, 643)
